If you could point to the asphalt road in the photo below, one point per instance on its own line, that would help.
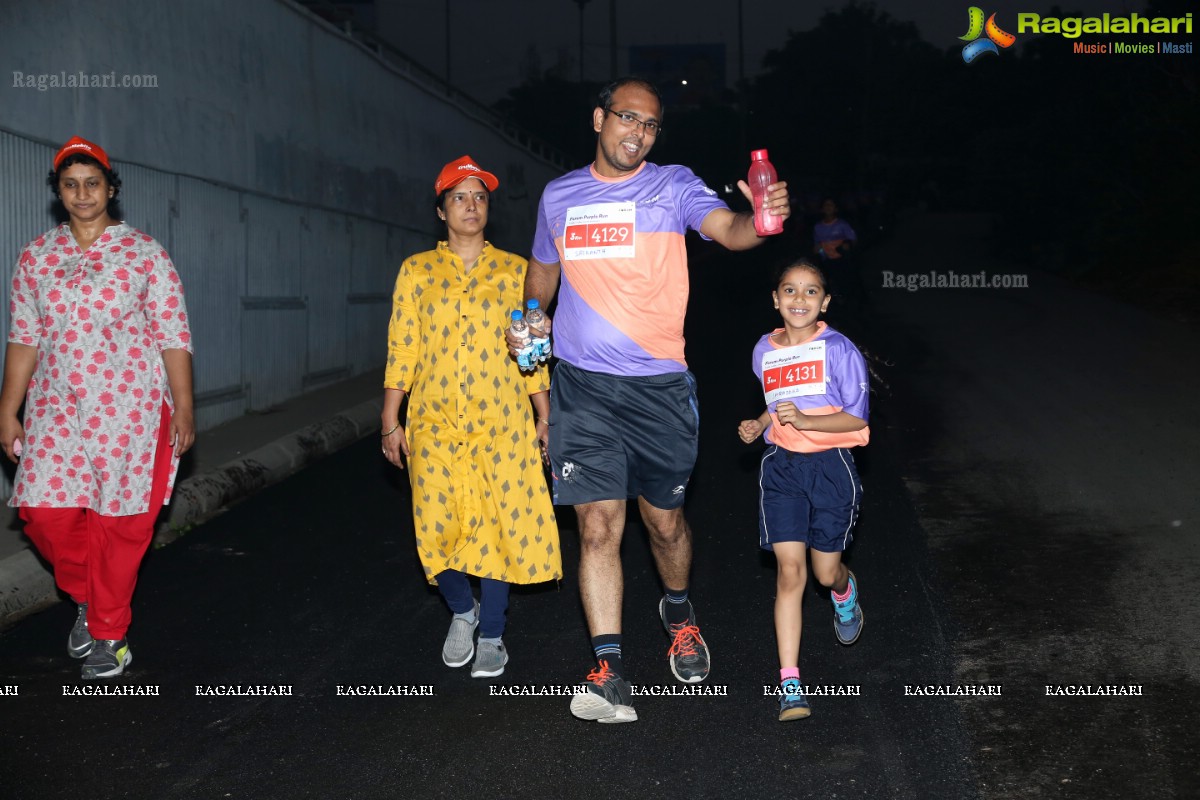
(1051, 447)
(978, 563)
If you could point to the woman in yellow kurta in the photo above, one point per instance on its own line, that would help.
(474, 449)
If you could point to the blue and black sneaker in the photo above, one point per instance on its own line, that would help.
(792, 702)
(848, 615)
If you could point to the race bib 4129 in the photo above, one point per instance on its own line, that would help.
(604, 230)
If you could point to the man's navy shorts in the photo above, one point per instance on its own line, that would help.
(808, 497)
(614, 437)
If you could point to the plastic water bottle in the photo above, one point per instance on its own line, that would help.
(537, 319)
(520, 329)
(762, 174)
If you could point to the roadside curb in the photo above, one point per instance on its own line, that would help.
(201, 497)
(26, 585)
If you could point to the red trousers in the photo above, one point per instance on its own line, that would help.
(96, 557)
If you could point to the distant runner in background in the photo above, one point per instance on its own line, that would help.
(833, 242)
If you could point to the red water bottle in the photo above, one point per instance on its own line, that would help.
(762, 175)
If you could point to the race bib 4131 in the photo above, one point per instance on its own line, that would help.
(794, 371)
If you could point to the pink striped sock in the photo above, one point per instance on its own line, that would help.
(789, 672)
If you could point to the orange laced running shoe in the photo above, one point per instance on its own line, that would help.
(685, 640)
(607, 698)
(601, 674)
(689, 656)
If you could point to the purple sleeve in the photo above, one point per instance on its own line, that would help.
(849, 383)
(756, 357)
(544, 249)
(695, 199)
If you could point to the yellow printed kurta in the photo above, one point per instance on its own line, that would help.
(480, 501)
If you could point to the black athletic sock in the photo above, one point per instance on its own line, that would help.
(608, 648)
(677, 609)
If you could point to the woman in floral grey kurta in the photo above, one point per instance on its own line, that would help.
(99, 345)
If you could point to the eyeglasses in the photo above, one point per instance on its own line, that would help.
(651, 127)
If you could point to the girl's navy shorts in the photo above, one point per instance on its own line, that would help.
(808, 497)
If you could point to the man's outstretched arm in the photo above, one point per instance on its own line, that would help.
(735, 231)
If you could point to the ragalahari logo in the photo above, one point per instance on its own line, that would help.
(996, 38)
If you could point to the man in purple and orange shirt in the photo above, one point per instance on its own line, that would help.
(623, 411)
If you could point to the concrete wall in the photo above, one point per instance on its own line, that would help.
(286, 167)
(261, 96)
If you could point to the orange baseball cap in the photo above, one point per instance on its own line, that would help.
(78, 144)
(458, 171)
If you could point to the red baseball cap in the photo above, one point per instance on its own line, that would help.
(458, 171)
(78, 144)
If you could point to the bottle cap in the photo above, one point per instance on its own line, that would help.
(758, 155)
(532, 303)
(516, 315)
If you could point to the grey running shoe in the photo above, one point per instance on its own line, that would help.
(108, 659)
(848, 615)
(489, 660)
(607, 698)
(460, 640)
(79, 642)
(690, 660)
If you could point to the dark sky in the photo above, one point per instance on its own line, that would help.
(490, 39)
